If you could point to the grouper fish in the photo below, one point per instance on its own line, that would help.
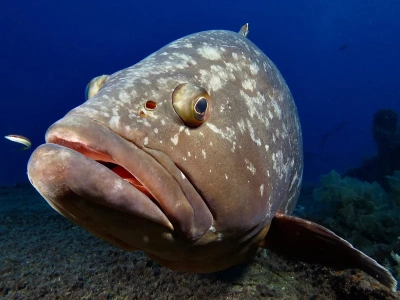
(194, 156)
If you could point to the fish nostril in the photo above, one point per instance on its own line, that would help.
(142, 112)
(150, 105)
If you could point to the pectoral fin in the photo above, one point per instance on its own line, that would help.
(314, 243)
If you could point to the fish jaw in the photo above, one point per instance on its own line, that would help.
(67, 172)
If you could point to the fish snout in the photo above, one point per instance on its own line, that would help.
(94, 197)
(118, 191)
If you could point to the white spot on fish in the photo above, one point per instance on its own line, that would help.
(117, 186)
(226, 176)
(295, 177)
(114, 122)
(228, 134)
(146, 81)
(156, 130)
(242, 126)
(146, 141)
(213, 80)
(146, 123)
(208, 52)
(277, 108)
(262, 189)
(63, 154)
(278, 133)
(204, 154)
(175, 44)
(278, 163)
(254, 68)
(256, 106)
(266, 122)
(215, 83)
(249, 84)
(252, 134)
(175, 139)
(250, 166)
(124, 97)
(185, 58)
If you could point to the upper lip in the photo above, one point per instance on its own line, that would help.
(178, 203)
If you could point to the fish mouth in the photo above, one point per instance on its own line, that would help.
(129, 195)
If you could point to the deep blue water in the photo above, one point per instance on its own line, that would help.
(51, 49)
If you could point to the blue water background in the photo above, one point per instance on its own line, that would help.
(49, 50)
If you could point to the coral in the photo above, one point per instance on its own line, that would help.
(363, 213)
(396, 258)
(394, 183)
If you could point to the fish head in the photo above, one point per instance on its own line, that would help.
(186, 155)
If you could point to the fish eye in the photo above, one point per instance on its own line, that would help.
(200, 108)
(191, 103)
(94, 86)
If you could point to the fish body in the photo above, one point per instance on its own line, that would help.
(19, 139)
(189, 155)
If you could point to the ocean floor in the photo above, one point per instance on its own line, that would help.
(44, 256)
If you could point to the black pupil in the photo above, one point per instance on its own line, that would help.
(201, 106)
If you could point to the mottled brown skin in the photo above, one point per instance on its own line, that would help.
(208, 194)
(215, 216)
